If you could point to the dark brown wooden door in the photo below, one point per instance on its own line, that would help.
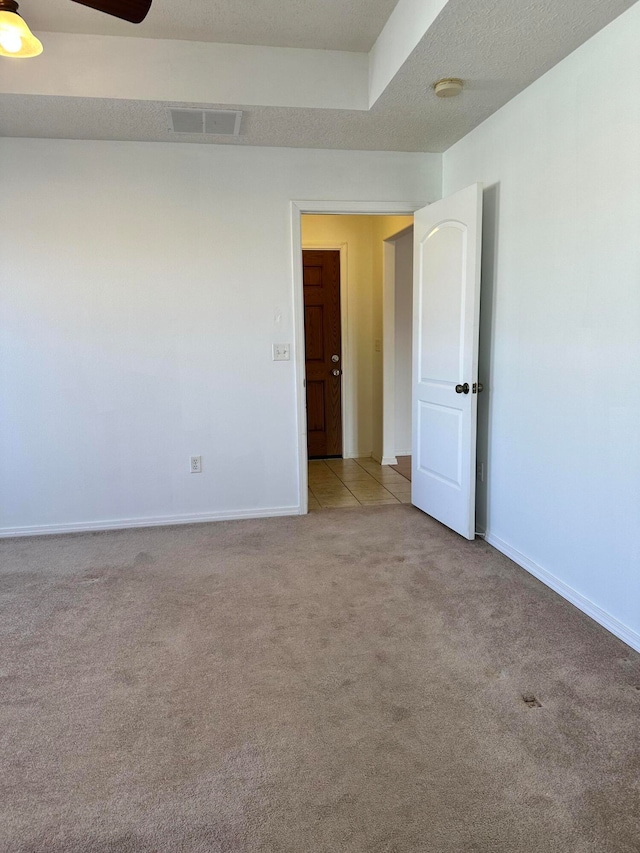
(321, 278)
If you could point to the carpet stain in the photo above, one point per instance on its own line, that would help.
(399, 713)
(143, 559)
(125, 677)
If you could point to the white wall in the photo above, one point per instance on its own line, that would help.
(403, 341)
(142, 288)
(560, 348)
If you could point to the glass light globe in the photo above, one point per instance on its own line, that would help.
(16, 39)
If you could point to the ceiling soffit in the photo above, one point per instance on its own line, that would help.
(329, 25)
(496, 48)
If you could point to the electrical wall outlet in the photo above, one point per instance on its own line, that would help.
(281, 352)
(480, 472)
(196, 465)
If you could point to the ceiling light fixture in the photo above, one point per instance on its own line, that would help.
(16, 39)
(448, 88)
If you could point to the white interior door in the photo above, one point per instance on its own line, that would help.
(447, 240)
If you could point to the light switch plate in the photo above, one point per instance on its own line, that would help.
(281, 352)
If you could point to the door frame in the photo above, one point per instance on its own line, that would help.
(298, 208)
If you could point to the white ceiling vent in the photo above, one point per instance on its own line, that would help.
(217, 122)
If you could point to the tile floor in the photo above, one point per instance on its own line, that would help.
(403, 467)
(355, 482)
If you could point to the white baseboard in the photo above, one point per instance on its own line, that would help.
(627, 635)
(157, 521)
(356, 454)
(388, 460)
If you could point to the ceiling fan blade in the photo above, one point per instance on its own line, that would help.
(133, 11)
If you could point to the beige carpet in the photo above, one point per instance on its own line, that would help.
(348, 681)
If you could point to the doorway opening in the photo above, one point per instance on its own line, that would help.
(446, 290)
(348, 276)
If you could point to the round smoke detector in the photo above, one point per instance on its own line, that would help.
(448, 88)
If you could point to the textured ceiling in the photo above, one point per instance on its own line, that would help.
(381, 129)
(321, 24)
(497, 46)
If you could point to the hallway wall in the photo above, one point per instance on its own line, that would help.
(384, 227)
(404, 342)
(357, 342)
